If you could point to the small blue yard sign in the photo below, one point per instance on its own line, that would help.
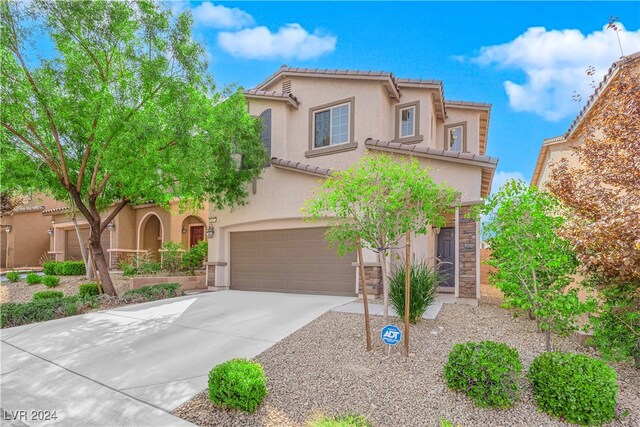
(391, 335)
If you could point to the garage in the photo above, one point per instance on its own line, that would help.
(72, 247)
(293, 260)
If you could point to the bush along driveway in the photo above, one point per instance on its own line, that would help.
(134, 365)
(324, 370)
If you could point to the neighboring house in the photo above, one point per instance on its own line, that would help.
(559, 147)
(316, 121)
(136, 231)
(43, 229)
(24, 241)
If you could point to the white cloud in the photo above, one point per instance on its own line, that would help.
(215, 16)
(555, 64)
(290, 41)
(500, 178)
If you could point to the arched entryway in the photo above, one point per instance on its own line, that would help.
(193, 231)
(150, 235)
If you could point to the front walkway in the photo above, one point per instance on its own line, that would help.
(378, 309)
(133, 365)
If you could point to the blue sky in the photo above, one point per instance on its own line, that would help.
(526, 59)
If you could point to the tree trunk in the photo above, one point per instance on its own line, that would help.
(385, 283)
(547, 339)
(100, 260)
(83, 249)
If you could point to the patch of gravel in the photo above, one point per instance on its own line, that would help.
(324, 368)
(22, 292)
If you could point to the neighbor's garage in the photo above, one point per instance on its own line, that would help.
(295, 261)
(72, 247)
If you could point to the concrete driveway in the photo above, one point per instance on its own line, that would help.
(134, 365)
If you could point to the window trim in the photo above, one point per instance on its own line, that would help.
(463, 125)
(416, 137)
(350, 144)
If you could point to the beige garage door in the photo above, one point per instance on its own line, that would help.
(72, 250)
(296, 261)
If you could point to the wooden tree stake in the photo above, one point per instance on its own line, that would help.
(407, 289)
(365, 299)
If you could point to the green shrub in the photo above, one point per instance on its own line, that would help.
(49, 267)
(486, 371)
(50, 281)
(172, 253)
(64, 268)
(33, 278)
(195, 256)
(88, 290)
(578, 388)
(154, 292)
(13, 276)
(239, 384)
(353, 420)
(128, 269)
(424, 281)
(16, 314)
(46, 295)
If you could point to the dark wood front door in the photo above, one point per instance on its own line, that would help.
(447, 255)
(197, 234)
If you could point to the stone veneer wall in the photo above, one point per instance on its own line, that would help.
(467, 256)
(373, 280)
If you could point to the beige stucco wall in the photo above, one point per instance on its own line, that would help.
(28, 241)
(555, 153)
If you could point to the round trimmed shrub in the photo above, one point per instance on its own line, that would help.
(50, 281)
(239, 384)
(33, 278)
(353, 420)
(580, 389)
(88, 290)
(486, 371)
(46, 295)
(13, 276)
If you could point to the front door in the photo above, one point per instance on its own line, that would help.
(447, 255)
(197, 234)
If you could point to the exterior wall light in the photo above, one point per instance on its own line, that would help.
(184, 230)
(111, 226)
(210, 232)
(8, 228)
(50, 231)
(436, 230)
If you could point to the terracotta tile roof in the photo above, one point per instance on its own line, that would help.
(250, 93)
(300, 167)
(61, 209)
(477, 105)
(417, 150)
(626, 60)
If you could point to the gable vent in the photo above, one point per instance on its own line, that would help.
(286, 87)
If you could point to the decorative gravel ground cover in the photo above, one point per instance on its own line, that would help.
(323, 368)
(22, 292)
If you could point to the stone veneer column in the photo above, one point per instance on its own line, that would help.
(467, 257)
(372, 280)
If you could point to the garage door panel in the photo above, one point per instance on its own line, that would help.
(295, 260)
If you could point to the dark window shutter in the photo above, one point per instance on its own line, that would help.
(266, 132)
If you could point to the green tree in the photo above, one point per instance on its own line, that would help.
(121, 112)
(379, 200)
(534, 266)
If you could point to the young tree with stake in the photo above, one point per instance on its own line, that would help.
(124, 112)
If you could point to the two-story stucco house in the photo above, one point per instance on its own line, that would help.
(316, 121)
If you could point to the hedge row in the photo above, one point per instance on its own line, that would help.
(64, 268)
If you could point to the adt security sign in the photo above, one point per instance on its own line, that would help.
(391, 335)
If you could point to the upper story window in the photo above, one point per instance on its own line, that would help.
(455, 137)
(408, 123)
(331, 126)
